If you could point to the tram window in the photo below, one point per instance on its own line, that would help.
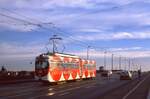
(88, 66)
(41, 64)
(72, 65)
(64, 65)
(54, 64)
(69, 65)
(76, 65)
(44, 64)
(37, 65)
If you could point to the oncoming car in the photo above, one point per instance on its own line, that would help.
(106, 73)
(125, 75)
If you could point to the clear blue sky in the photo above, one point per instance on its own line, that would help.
(123, 26)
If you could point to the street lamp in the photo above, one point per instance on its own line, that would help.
(120, 63)
(88, 52)
(112, 62)
(105, 59)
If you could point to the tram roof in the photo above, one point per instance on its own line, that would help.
(62, 54)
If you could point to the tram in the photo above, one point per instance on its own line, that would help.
(56, 67)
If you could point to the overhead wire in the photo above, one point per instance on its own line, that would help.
(40, 25)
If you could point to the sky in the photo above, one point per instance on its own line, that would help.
(121, 27)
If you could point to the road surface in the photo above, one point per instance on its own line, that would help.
(100, 88)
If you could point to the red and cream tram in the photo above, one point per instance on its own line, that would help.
(55, 67)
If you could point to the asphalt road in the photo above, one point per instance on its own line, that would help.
(135, 89)
(100, 88)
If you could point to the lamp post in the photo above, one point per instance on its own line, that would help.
(129, 64)
(120, 63)
(88, 52)
(105, 59)
(112, 62)
(125, 63)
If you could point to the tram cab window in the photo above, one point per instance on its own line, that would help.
(41, 64)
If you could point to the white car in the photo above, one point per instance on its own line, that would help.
(106, 73)
(125, 75)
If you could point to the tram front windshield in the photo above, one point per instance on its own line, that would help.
(40, 64)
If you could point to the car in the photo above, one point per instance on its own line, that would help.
(106, 73)
(125, 75)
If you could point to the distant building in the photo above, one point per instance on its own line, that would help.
(3, 69)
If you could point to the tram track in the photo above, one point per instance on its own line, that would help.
(77, 92)
(25, 91)
(41, 89)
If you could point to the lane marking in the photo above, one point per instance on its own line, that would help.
(50, 89)
(131, 91)
(51, 93)
(62, 94)
(76, 88)
(69, 89)
(90, 86)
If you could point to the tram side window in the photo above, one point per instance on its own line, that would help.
(84, 66)
(75, 65)
(54, 64)
(70, 65)
(88, 66)
(64, 65)
(92, 66)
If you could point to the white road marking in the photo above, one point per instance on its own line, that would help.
(62, 94)
(90, 86)
(51, 93)
(68, 89)
(131, 91)
(50, 89)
